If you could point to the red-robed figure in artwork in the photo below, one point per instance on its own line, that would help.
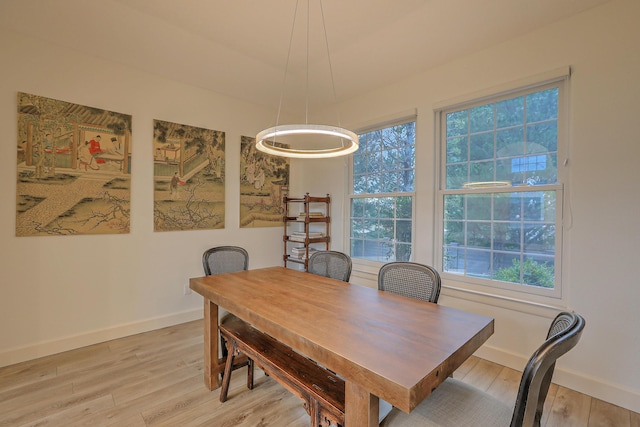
(94, 147)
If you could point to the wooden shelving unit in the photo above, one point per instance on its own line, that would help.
(307, 227)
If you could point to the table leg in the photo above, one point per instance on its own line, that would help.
(212, 365)
(361, 408)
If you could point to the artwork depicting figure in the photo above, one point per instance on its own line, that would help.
(67, 184)
(264, 180)
(188, 177)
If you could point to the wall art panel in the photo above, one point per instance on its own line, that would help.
(264, 180)
(188, 177)
(73, 169)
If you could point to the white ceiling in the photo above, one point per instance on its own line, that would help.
(239, 47)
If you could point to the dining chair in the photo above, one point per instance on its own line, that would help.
(228, 259)
(411, 280)
(455, 403)
(225, 259)
(333, 264)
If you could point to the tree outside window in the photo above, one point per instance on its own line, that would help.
(500, 189)
(383, 174)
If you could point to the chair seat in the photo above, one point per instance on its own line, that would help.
(454, 404)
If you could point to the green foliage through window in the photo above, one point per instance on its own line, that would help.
(530, 273)
(382, 202)
(500, 190)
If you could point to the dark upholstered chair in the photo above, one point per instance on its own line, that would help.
(227, 259)
(411, 280)
(335, 265)
(455, 403)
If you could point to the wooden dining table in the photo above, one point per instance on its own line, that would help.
(384, 345)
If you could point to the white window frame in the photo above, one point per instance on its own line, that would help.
(559, 78)
(361, 264)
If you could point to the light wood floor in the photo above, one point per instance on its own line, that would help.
(155, 379)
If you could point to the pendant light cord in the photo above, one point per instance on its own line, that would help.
(348, 139)
(286, 67)
(333, 84)
(306, 95)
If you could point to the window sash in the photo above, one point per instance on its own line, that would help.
(557, 187)
(398, 222)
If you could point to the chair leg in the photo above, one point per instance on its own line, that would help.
(226, 378)
(223, 346)
(250, 374)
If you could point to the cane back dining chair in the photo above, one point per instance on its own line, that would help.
(333, 264)
(225, 259)
(228, 259)
(411, 280)
(455, 403)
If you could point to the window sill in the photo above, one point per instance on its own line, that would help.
(366, 274)
(547, 309)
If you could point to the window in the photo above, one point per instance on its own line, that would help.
(381, 220)
(500, 190)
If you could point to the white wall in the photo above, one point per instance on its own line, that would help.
(603, 232)
(58, 293)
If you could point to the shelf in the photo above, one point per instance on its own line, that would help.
(309, 199)
(296, 260)
(324, 239)
(308, 221)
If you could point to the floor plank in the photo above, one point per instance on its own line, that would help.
(603, 414)
(483, 374)
(148, 402)
(74, 414)
(569, 409)
(505, 385)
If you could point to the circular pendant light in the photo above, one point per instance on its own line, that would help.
(266, 141)
(337, 141)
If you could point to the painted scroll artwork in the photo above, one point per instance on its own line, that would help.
(73, 169)
(264, 181)
(189, 177)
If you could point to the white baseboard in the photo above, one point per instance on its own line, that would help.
(47, 348)
(594, 387)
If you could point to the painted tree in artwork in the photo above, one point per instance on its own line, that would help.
(189, 183)
(206, 141)
(46, 119)
(213, 143)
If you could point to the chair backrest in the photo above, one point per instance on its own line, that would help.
(225, 259)
(333, 264)
(563, 335)
(411, 280)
